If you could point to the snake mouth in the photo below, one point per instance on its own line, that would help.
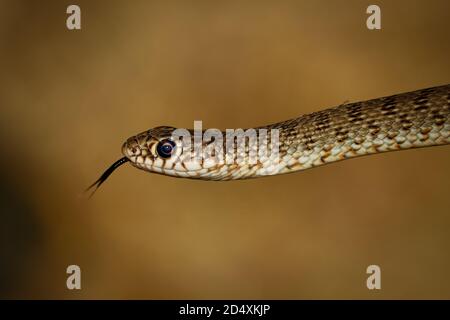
(106, 174)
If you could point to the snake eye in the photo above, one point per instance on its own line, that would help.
(165, 148)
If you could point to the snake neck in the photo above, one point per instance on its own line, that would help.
(399, 122)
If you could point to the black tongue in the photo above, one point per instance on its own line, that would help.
(106, 174)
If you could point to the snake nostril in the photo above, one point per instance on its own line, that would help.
(130, 149)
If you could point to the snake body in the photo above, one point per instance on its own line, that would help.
(403, 121)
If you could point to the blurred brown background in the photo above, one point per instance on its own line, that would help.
(69, 99)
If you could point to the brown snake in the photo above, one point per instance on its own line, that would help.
(408, 120)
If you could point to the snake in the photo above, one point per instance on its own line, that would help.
(402, 121)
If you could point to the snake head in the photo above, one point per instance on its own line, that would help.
(150, 150)
(174, 152)
(154, 150)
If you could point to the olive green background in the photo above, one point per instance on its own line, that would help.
(69, 99)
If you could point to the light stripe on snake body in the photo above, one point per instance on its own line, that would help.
(403, 121)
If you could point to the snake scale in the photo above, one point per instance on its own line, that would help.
(403, 121)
